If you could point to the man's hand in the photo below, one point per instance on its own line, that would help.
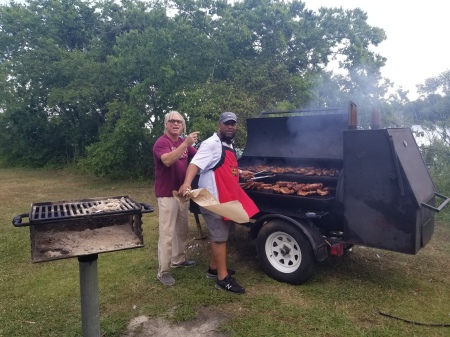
(184, 190)
(246, 175)
(191, 138)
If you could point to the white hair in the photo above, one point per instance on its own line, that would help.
(170, 115)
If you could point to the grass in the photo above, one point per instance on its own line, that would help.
(343, 298)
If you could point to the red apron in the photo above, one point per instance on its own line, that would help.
(227, 181)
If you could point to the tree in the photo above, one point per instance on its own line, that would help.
(278, 52)
(123, 149)
(41, 45)
(433, 107)
(432, 112)
(76, 72)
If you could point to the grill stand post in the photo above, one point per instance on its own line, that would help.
(90, 315)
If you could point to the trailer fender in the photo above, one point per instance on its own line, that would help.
(312, 233)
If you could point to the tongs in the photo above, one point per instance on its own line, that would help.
(267, 176)
(263, 171)
(261, 177)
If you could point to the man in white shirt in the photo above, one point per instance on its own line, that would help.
(216, 158)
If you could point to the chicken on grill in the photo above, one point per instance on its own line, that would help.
(288, 188)
(304, 171)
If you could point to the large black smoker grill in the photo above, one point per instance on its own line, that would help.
(84, 228)
(383, 196)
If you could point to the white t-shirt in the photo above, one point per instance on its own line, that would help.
(207, 156)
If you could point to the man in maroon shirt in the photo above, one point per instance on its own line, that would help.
(171, 155)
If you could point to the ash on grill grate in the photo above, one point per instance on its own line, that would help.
(66, 244)
(107, 205)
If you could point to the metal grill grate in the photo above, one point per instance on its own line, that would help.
(68, 209)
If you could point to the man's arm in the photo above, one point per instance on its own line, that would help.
(171, 157)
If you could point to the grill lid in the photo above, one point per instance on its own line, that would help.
(307, 137)
(60, 210)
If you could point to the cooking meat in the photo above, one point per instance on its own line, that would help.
(277, 170)
(322, 192)
(286, 190)
(306, 193)
(289, 169)
(305, 171)
(310, 172)
(298, 187)
(312, 187)
(300, 170)
(251, 185)
(247, 176)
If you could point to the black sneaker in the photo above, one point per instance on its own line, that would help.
(212, 273)
(230, 284)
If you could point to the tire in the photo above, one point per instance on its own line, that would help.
(284, 252)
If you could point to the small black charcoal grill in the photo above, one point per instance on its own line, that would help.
(83, 229)
(67, 229)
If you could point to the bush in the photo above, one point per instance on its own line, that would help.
(437, 157)
(124, 149)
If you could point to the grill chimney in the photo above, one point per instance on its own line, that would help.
(352, 116)
(375, 117)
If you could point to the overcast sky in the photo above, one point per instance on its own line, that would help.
(416, 47)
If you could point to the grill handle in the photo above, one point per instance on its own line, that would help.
(147, 208)
(17, 220)
(441, 206)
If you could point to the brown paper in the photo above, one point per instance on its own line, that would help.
(232, 210)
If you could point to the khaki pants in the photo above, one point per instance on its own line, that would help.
(173, 233)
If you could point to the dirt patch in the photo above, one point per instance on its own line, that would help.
(204, 325)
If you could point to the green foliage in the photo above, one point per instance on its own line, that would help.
(124, 145)
(205, 103)
(433, 105)
(65, 65)
(28, 138)
(437, 157)
(432, 112)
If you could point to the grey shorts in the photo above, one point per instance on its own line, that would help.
(219, 229)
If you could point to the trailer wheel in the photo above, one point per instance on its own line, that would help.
(284, 252)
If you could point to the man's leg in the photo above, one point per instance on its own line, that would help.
(167, 220)
(180, 235)
(219, 258)
(224, 281)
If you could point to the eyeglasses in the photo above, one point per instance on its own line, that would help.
(175, 121)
